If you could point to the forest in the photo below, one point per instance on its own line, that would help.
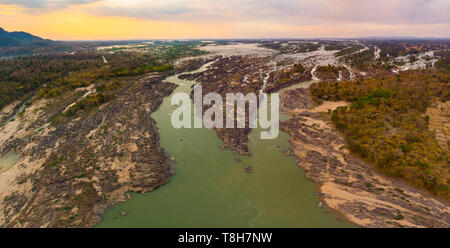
(386, 124)
(51, 75)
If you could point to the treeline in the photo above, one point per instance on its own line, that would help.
(334, 45)
(395, 48)
(293, 47)
(103, 94)
(386, 124)
(330, 69)
(23, 75)
(443, 62)
(350, 50)
(286, 75)
(52, 75)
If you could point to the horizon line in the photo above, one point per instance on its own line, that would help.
(215, 39)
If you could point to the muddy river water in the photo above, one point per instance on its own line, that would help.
(211, 189)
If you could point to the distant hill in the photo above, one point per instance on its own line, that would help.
(21, 43)
(18, 39)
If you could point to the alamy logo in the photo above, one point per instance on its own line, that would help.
(235, 107)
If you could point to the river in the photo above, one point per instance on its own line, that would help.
(211, 189)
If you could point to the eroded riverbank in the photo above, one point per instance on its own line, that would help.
(68, 173)
(348, 184)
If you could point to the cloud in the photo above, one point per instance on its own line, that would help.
(303, 12)
(201, 10)
(388, 11)
(233, 18)
(282, 11)
(46, 5)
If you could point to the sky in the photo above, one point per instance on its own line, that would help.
(201, 19)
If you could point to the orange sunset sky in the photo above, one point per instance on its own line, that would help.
(177, 19)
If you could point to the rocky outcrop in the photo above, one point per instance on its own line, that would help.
(192, 65)
(439, 122)
(75, 169)
(296, 100)
(332, 73)
(295, 79)
(348, 184)
(235, 74)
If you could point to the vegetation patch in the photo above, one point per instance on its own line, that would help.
(385, 124)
